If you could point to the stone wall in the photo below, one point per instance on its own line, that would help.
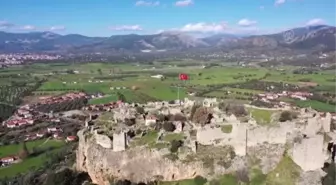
(119, 142)
(138, 164)
(308, 153)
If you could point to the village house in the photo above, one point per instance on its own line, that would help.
(56, 120)
(151, 119)
(57, 135)
(54, 129)
(8, 160)
(19, 122)
(41, 134)
(30, 137)
(71, 138)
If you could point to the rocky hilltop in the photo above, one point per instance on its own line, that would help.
(163, 141)
(137, 164)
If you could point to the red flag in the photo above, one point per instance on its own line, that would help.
(183, 76)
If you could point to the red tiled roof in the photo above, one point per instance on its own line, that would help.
(71, 137)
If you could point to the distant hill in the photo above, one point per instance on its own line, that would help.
(42, 41)
(310, 39)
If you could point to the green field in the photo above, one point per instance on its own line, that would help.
(90, 80)
(32, 162)
(106, 77)
(14, 149)
(322, 78)
(319, 106)
(261, 116)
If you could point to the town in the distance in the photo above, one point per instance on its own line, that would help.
(204, 104)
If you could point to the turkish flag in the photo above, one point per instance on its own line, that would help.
(183, 76)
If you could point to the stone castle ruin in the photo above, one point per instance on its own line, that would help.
(304, 139)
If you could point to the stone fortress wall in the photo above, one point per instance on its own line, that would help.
(303, 136)
(309, 153)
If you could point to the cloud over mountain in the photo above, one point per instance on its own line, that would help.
(57, 28)
(5, 25)
(316, 21)
(246, 22)
(126, 28)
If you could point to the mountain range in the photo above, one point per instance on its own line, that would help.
(314, 38)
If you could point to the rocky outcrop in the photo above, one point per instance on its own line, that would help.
(138, 164)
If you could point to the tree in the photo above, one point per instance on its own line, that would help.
(330, 178)
(242, 175)
(121, 97)
(179, 117)
(169, 126)
(23, 153)
(175, 145)
(99, 71)
(140, 110)
(202, 116)
(287, 116)
(130, 122)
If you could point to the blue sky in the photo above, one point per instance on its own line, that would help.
(110, 17)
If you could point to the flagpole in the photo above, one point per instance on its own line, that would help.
(178, 93)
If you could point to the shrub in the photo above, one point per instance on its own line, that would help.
(202, 116)
(130, 122)
(161, 117)
(24, 153)
(287, 116)
(233, 108)
(179, 117)
(330, 178)
(175, 145)
(193, 110)
(169, 126)
(140, 110)
(199, 180)
(242, 175)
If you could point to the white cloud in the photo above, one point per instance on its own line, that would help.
(314, 22)
(211, 28)
(147, 3)
(57, 28)
(126, 28)
(28, 27)
(279, 2)
(204, 27)
(184, 3)
(6, 25)
(246, 22)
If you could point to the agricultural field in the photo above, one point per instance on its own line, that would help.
(134, 80)
(33, 161)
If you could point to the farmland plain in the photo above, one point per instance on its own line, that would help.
(136, 83)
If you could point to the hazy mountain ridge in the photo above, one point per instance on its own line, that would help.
(315, 38)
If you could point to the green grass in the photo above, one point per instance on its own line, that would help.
(173, 136)
(286, 172)
(31, 162)
(257, 177)
(159, 145)
(14, 149)
(289, 77)
(317, 105)
(228, 179)
(226, 128)
(148, 139)
(195, 181)
(261, 116)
